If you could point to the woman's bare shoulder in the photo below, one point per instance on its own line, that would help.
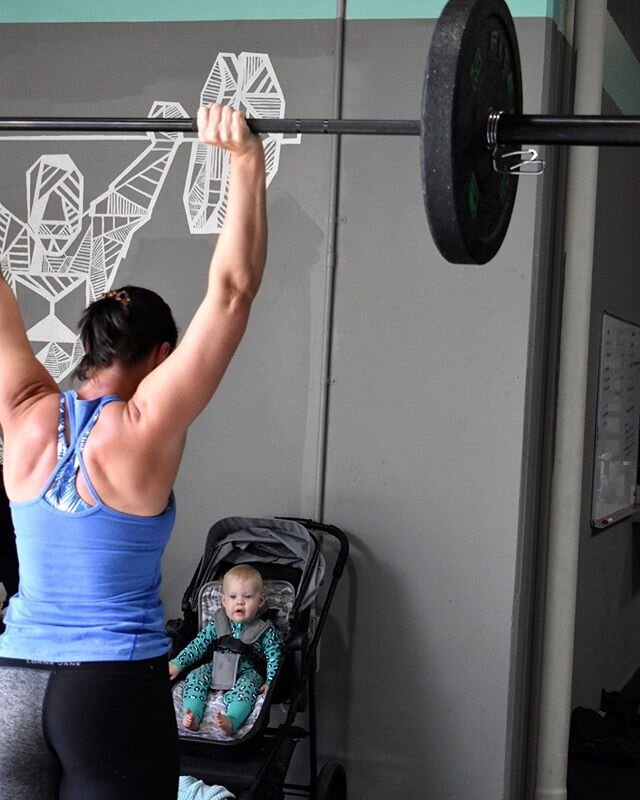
(30, 445)
(132, 468)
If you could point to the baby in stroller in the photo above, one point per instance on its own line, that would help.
(246, 654)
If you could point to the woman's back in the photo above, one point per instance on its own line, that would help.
(90, 580)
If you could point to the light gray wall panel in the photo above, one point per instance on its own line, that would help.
(425, 454)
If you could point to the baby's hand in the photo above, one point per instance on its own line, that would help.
(263, 688)
(174, 671)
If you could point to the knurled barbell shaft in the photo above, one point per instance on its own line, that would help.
(378, 127)
(510, 129)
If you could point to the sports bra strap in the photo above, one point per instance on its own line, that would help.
(61, 491)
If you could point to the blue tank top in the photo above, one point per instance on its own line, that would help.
(89, 577)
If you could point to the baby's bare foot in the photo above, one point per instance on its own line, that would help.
(190, 721)
(224, 723)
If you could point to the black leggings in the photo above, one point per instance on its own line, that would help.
(104, 731)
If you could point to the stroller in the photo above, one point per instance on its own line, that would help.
(292, 555)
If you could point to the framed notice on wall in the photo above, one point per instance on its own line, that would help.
(616, 456)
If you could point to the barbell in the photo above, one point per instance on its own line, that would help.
(471, 119)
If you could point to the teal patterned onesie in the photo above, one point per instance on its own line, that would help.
(242, 697)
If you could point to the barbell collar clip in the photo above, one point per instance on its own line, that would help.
(510, 162)
(527, 162)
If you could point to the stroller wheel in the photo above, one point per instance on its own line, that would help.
(332, 782)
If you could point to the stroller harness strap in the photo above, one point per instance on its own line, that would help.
(226, 643)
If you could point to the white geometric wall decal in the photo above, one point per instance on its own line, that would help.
(66, 256)
(78, 251)
(54, 184)
(248, 82)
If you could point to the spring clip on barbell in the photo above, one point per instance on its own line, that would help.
(529, 162)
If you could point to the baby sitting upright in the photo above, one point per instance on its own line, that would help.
(243, 671)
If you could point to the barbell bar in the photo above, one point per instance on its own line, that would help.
(512, 130)
(375, 127)
(471, 116)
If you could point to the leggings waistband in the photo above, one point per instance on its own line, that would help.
(142, 665)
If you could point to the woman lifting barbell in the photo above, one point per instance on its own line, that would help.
(90, 475)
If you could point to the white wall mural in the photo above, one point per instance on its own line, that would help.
(67, 255)
(248, 82)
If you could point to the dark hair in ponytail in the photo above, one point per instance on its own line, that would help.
(124, 325)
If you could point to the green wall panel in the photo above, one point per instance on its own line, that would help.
(429, 9)
(187, 10)
(162, 10)
(621, 71)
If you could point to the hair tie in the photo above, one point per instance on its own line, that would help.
(118, 294)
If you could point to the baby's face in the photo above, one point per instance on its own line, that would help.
(241, 599)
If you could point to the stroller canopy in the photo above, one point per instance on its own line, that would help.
(242, 540)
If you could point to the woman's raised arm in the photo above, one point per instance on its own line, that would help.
(23, 379)
(177, 390)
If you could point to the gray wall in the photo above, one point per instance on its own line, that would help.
(607, 647)
(425, 462)
(434, 389)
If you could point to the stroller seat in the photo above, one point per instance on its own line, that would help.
(280, 596)
(291, 555)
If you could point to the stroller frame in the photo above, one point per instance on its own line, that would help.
(255, 766)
